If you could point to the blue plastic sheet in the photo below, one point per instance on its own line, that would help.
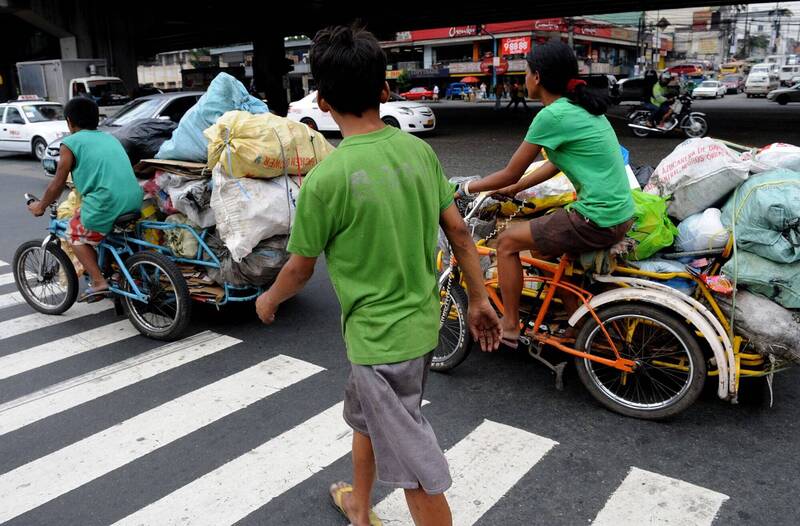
(224, 94)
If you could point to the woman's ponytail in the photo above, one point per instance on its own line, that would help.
(593, 102)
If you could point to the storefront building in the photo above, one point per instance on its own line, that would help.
(443, 55)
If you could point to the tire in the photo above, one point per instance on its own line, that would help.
(631, 399)
(641, 121)
(701, 129)
(162, 297)
(783, 100)
(455, 340)
(38, 148)
(749, 96)
(308, 121)
(60, 277)
(391, 121)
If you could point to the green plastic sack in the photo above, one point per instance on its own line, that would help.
(766, 210)
(779, 282)
(651, 228)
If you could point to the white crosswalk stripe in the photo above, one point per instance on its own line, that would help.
(655, 500)
(5, 279)
(48, 477)
(75, 391)
(484, 466)
(47, 353)
(231, 492)
(11, 299)
(37, 320)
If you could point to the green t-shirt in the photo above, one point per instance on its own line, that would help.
(373, 207)
(103, 176)
(585, 148)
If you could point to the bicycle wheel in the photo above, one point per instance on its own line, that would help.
(58, 287)
(670, 366)
(168, 310)
(455, 341)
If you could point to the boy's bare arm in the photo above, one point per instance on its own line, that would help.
(526, 153)
(484, 323)
(291, 279)
(540, 175)
(56, 186)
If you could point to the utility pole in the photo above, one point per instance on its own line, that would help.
(746, 42)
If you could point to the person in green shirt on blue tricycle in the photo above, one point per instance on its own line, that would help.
(104, 179)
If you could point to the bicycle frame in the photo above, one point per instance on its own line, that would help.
(554, 282)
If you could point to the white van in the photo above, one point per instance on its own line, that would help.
(787, 73)
(762, 79)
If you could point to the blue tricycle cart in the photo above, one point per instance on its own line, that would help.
(148, 282)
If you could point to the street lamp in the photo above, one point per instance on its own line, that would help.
(494, 54)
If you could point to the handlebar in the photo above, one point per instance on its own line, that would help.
(30, 198)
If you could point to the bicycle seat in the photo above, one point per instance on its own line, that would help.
(125, 220)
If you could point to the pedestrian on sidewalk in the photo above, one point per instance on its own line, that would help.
(483, 91)
(436, 92)
(499, 91)
(374, 207)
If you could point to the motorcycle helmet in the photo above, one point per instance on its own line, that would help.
(665, 77)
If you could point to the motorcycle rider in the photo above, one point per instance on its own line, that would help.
(661, 99)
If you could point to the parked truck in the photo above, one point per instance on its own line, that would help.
(60, 80)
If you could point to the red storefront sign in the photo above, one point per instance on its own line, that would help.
(549, 24)
(515, 46)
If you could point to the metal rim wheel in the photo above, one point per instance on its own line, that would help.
(39, 148)
(167, 312)
(695, 126)
(58, 289)
(454, 337)
(640, 121)
(310, 123)
(670, 369)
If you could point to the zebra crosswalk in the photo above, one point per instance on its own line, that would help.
(487, 461)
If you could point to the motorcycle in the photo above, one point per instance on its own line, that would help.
(693, 123)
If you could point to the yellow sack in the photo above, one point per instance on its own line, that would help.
(68, 206)
(149, 212)
(555, 192)
(250, 145)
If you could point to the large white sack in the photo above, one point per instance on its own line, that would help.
(249, 210)
(702, 232)
(776, 155)
(697, 174)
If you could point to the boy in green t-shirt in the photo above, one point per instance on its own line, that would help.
(374, 207)
(103, 176)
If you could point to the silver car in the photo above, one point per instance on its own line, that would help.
(785, 95)
(169, 106)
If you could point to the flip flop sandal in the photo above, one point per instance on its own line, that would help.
(91, 295)
(337, 498)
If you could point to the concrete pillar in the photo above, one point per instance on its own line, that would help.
(69, 47)
(269, 70)
(427, 56)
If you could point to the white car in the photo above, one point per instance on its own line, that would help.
(398, 112)
(710, 89)
(29, 126)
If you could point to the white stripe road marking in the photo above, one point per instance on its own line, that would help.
(37, 320)
(236, 489)
(484, 466)
(53, 351)
(53, 475)
(5, 279)
(11, 299)
(3, 263)
(653, 499)
(75, 391)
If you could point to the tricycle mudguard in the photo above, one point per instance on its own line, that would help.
(685, 307)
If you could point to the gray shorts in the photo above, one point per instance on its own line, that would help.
(384, 402)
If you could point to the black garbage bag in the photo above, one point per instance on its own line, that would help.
(643, 173)
(142, 139)
(259, 268)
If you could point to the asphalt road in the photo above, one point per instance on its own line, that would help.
(99, 458)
